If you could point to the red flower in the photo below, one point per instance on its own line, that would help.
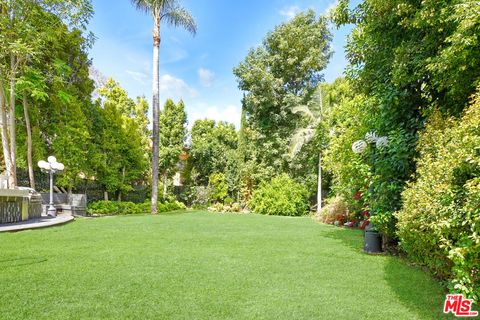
(364, 224)
(357, 196)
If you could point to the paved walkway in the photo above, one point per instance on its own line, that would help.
(42, 222)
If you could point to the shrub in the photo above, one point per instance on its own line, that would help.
(334, 210)
(218, 187)
(349, 119)
(124, 208)
(439, 224)
(219, 207)
(236, 207)
(378, 173)
(201, 196)
(282, 196)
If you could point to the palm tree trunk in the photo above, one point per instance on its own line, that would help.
(29, 142)
(13, 144)
(319, 185)
(155, 111)
(4, 133)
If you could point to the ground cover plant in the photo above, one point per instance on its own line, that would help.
(126, 207)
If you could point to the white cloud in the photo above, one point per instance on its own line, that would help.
(173, 54)
(138, 76)
(230, 113)
(206, 77)
(330, 7)
(290, 11)
(175, 88)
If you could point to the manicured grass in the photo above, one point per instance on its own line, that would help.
(200, 265)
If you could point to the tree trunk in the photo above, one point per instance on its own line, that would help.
(165, 180)
(13, 134)
(4, 134)
(119, 198)
(29, 142)
(319, 186)
(155, 111)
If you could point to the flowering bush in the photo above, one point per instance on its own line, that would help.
(334, 211)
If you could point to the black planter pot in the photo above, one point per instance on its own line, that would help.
(373, 241)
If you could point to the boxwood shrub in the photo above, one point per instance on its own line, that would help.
(282, 196)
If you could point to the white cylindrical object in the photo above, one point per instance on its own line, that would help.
(371, 137)
(54, 165)
(359, 146)
(382, 142)
(42, 164)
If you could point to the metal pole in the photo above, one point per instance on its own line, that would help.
(52, 212)
(319, 184)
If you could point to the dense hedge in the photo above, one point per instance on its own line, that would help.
(439, 225)
(125, 207)
(282, 196)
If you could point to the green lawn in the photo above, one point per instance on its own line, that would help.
(201, 265)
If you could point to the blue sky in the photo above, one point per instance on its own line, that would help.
(197, 69)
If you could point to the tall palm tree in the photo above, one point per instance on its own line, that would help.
(172, 13)
(313, 112)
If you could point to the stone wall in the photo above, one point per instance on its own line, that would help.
(75, 204)
(19, 205)
(35, 206)
(11, 209)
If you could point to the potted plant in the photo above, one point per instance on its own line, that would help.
(373, 240)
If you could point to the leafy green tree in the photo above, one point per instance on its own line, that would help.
(346, 120)
(63, 120)
(218, 187)
(26, 27)
(313, 113)
(408, 57)
(55, 90)
(33, 87)
(173, 121)
(277, 76)
(171, 12)
(140, 115)
(211, 146)
(120, 141)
